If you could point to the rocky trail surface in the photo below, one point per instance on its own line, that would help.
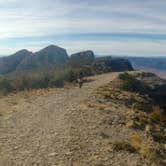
(45, 127)
(97, 125)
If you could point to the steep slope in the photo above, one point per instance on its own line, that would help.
(10, 63)
(51, 55)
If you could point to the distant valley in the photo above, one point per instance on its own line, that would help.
(158, 63)
(155, 65)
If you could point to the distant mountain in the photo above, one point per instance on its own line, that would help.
(149, 63)
(10, 63)
(51, 55)
(25, 60)
(54, 55)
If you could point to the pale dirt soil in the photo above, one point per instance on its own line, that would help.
(64, 127)
(43, 127)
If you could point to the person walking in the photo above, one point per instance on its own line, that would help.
(80, 79)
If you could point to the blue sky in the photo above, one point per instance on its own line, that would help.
(118, 27)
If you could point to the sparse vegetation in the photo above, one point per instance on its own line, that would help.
(136, 141)
(143, 106)
(130, 83)
(159, 137)
(146, 117)
(37, 80)
(123, 146)
(5, 86)
(156, 115)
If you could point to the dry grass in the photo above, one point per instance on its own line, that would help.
(136, 141)
(146, 148)
(156, 115)
(149, 153)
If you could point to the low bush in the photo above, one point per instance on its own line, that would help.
(123, 146)
(159, 137)
(141, 106)
(27, 80)
(5, 86)
(156, 115)
(59, 83)
(136, 141)
(130, 83)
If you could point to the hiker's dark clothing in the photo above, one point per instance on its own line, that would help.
(80, 82)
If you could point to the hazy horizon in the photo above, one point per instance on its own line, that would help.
(108, 27)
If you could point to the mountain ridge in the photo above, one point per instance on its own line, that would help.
(52, 56)
(24, 59)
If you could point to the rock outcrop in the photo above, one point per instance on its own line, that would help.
(157, 87)
(109, 64)
(145, 84)
(51, 55)
(82, 59)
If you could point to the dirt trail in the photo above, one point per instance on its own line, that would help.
(42, 129)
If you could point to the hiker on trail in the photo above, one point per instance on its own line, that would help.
(80, 82)
(80, 79)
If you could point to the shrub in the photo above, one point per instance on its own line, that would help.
(141, 106)
(150, 153)
(56, 83)
(136, 141)
(23, 84)
(159, 137)
(156, 115)
(26, 80)
(71, 75)
(123, 146)
(5, 86)
(130, 83)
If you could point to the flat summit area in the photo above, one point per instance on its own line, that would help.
(70, 127)
(39, 127)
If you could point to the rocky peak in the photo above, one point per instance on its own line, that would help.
(82, 58)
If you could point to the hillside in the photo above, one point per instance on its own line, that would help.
(99, 124)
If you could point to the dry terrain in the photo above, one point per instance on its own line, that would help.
(64, 127)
